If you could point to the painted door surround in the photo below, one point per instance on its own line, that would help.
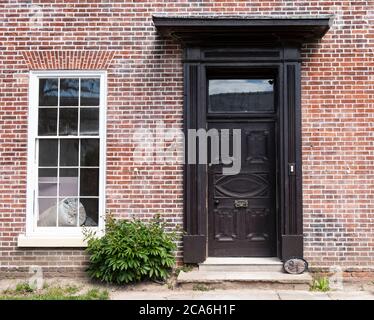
(247, 43)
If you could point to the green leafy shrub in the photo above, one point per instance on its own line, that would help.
(320, 284)
(131, 251)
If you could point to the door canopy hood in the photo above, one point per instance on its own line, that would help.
(200, 30)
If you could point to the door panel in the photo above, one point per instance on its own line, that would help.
(242, 215)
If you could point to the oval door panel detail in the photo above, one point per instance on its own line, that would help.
(242, 186)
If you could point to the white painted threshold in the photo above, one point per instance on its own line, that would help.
(242, 261)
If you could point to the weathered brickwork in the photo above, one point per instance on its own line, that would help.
(145, 86)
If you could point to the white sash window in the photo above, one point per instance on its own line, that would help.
(66, 152)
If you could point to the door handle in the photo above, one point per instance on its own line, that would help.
(216, 202)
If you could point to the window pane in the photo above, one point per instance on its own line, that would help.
(48, 152)
(48, 90)
(47, 123)
(91, 207)
(241, 95)
(90, 152)
(68, 121)
(68, 213)
(90, 92)
(69, 152)
(47, 182)
(49, 174)
(47, 212)
(69, 92)
(68, 183)
(89, 182)
(89, 122)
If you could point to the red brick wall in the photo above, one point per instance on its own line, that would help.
(145, 85)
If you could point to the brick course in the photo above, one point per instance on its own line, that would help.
(145, 85)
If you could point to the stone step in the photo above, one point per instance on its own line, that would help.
(206, 280)
(241, 265)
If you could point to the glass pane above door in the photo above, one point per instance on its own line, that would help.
(241, 96)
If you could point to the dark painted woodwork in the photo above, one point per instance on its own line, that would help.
(194, 248)
(251, 45)
(202, 30)
(241, 207)
(292, 246)
(194, 240)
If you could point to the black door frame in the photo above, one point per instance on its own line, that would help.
(236, 40)
(286, 60)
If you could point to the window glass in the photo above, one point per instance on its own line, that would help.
(90, 92)
(89, 152)
(47, 215)
(48, 91)
(69, 152)
(68, 182)
(241, 95)
(89, 182)
(68, 121)
(68, 160)
(69, 89)
(89, 121)
(47, 122)
(47, 182)
(48, 151)
(91, 206)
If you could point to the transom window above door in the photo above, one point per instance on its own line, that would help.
(241, 95)
(67, 144)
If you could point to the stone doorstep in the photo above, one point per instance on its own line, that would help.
(239, 272)
(241, 265)
(256, 280)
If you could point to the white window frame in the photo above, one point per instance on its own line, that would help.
(53, 236)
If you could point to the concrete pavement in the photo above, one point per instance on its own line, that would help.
(154, 291)
(241, 295)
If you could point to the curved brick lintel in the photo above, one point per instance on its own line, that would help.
(68, 60)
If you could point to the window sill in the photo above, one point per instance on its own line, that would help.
(51, 242)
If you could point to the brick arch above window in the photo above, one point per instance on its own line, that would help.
(68, 60)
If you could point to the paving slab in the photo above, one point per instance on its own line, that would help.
(302, 295)
(197, 295)
(154, 291)
(241, 295)
(351, 295)
(238, 295)
(139, 295)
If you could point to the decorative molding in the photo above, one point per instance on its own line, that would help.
(248, 185)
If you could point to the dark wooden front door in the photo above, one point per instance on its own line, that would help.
(207, 99)
(241, 207)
